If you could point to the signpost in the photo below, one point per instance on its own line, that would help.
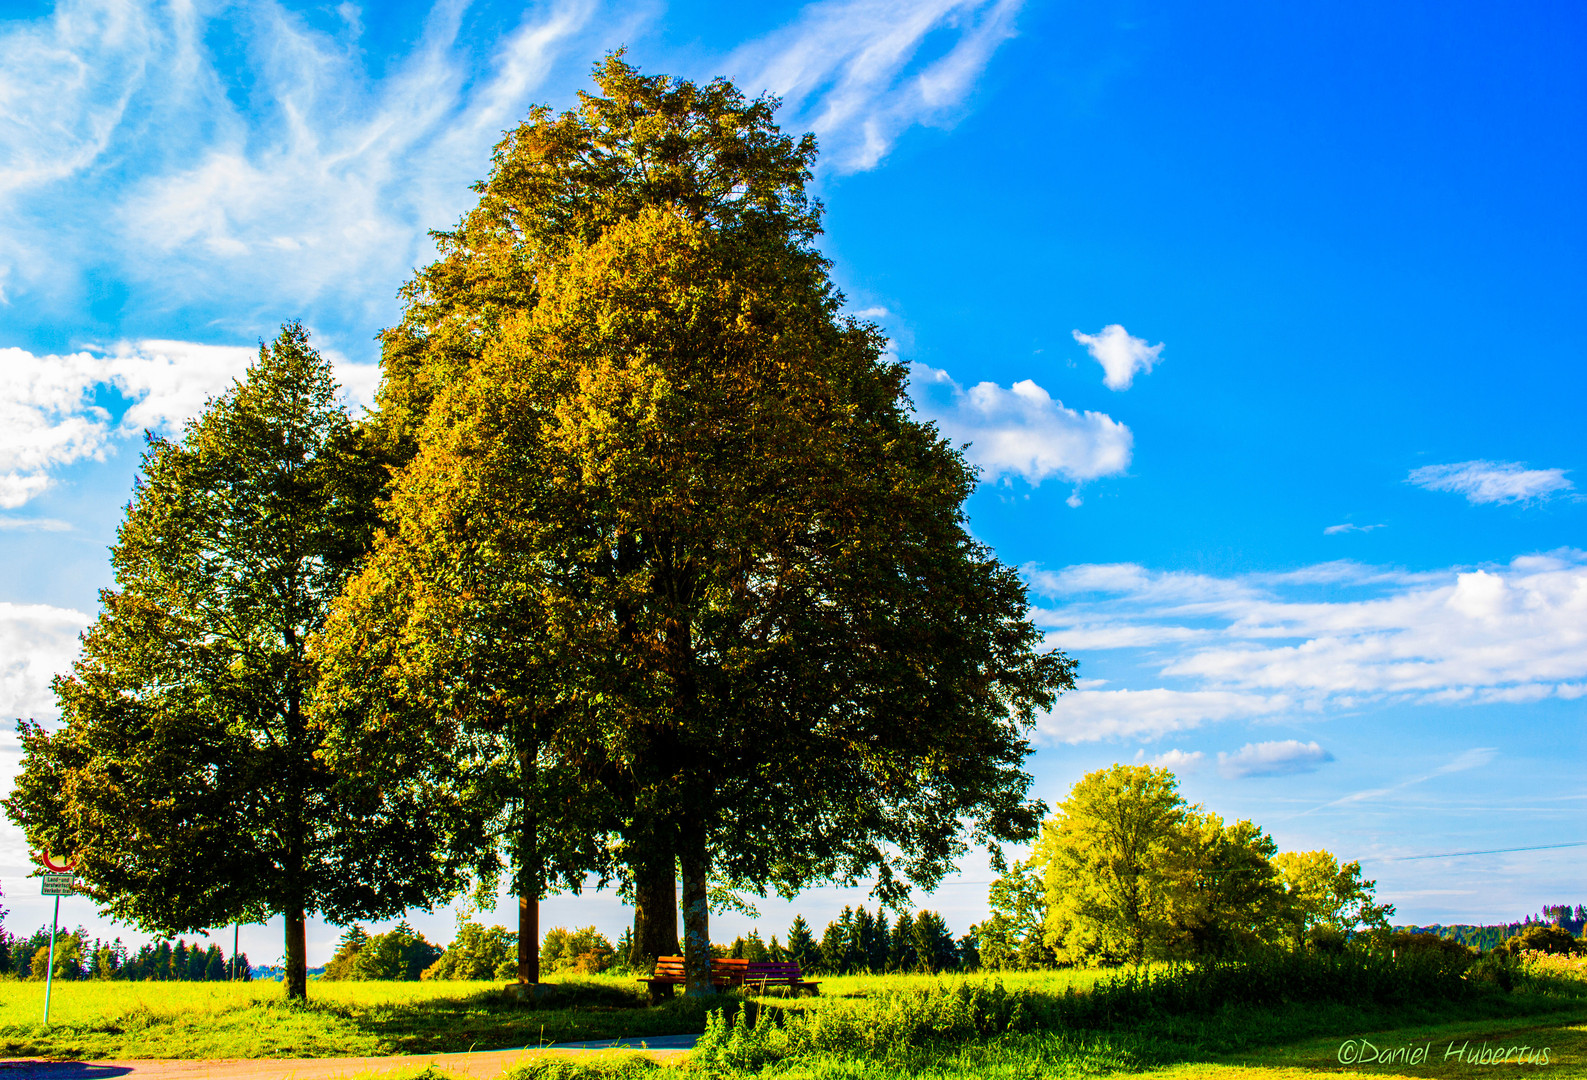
(59, 881)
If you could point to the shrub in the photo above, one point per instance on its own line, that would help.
(585, 950)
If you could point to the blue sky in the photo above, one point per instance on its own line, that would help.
(1265, 323)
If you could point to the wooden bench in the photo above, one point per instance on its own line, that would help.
(756, 977)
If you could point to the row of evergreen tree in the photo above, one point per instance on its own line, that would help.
(78, 957)
(858, 941)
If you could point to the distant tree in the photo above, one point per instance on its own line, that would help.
(185, 718)
(775, 951)
(214, 965)
(1013, 935)
(969, 950)
(802, 948)
(1326, 899)
(584, 950)
(68, 957)
(839, 947)
(935, 949)
(340, 965)
(1106, 863)
(902, 954)
(1546, 939)
(401, 953)
(476, 953)
(1226, 893)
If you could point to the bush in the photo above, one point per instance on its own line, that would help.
(585, 951)
(1554, 940)
(906, 1020)
(477, 953)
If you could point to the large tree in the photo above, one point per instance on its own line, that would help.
(767, 634)
(559, 180)
(184, 778)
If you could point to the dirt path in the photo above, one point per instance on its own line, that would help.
(483, 1065)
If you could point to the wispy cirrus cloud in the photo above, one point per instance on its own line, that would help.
(1278, 758)
(1022, 430)
(1492, 481)
(1321, 639)
(1347, 527)
(860, 72)
(246, 161)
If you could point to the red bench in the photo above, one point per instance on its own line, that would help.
(755, 976)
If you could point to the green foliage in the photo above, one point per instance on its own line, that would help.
(802, 948)
(585, 951)
(1553, 940)
(1107, 860)
(185, 718)
(476, 952)
(1325, 899)
(1131, 872)
(1013, 937)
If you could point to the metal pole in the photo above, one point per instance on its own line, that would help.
(235, 927)
(49, 976)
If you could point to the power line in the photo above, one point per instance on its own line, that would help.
(1494, 851)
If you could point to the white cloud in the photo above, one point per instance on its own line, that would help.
(1090, 715)
(1020, 430)
(52, 415)
(1492, 481)
(1120, 355)
(1335, 530)
(1273, 759)
(1177, 761)
(11, 524)
(37, 642)
(854, 71)
(1332, 636)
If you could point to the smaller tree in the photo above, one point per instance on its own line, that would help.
(1105, 859)
(1226, 895)
(1013, 937)
(1326, 900)
(935, 948)
(476, 953)
(802, 948)
(901, 954)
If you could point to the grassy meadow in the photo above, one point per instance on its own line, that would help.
(1280, 1021)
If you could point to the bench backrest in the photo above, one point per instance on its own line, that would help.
(671, 967)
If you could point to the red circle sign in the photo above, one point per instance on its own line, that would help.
(55, 865)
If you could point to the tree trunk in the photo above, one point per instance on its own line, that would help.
(655, 911)
(297, 974)
(696, 918)
(529, 873)
(528, 939)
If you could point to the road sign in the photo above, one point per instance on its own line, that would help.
(57, 864)
(60, 885)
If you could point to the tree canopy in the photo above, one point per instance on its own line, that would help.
(683, 529)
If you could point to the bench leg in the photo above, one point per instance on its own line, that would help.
(660, 992)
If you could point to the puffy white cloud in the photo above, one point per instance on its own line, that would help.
(1120, 355)
(1492, 481)
(1281, 758)
(52, 415)
(1021, 430)
(1177, 761)
(854, 71)
(37, 642)
(1090, 715)
(1265, 642)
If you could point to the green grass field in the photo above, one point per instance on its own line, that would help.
(861, 1028)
